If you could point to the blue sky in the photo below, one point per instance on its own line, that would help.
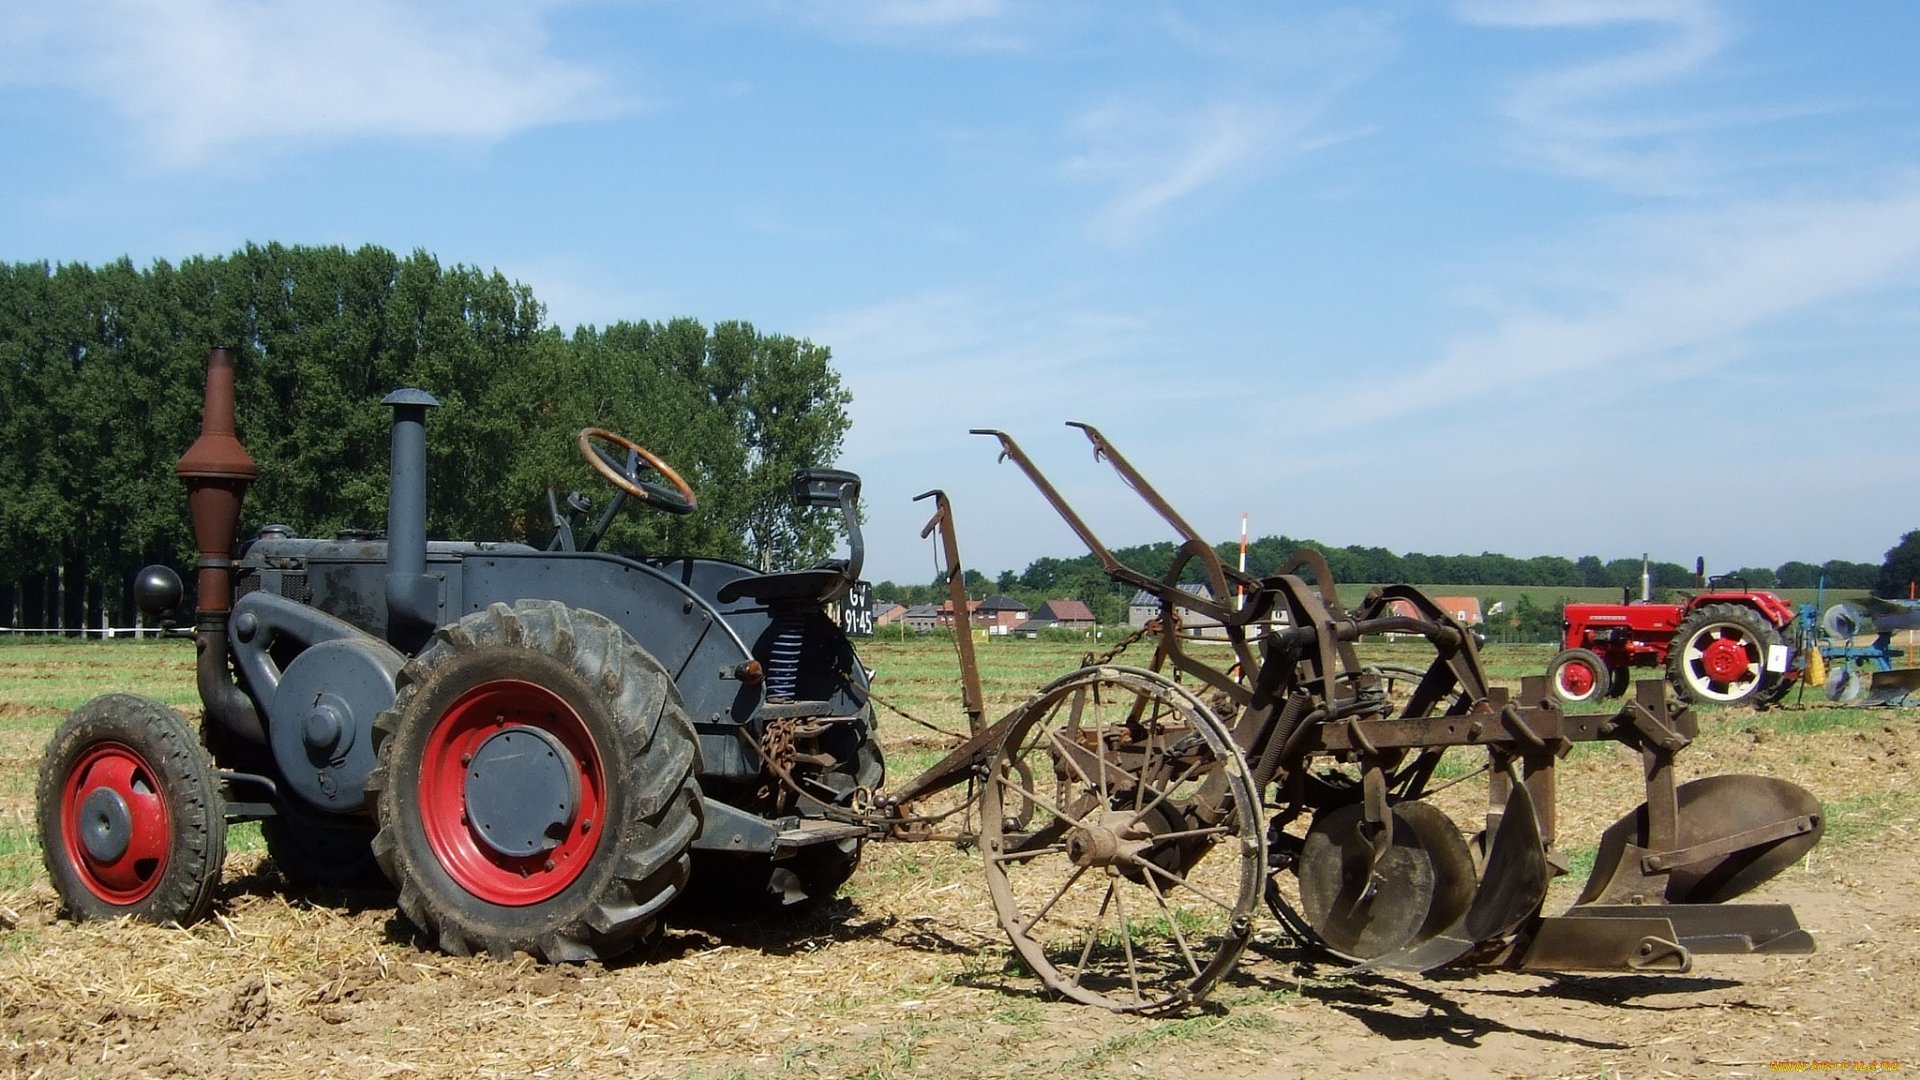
(1555, 277)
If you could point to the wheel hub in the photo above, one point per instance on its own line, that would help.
(512, 791)
(106, 825)
(118, 832)
(1726, 660)
(521, 791)
(1108, 838)
(1577, 680)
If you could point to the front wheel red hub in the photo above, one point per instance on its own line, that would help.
(1577, 680)
(115, 824)
(512, 792)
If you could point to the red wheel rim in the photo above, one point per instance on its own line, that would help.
(1577, 680)
(1726, 659)
(474, 864)
(112, 799)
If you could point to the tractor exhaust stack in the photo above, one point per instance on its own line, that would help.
(217, 471)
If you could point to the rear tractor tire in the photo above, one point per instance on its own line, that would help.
(535, 788)
(1618, 683)
(1577, 676)
(132, 819)
(1719, 656)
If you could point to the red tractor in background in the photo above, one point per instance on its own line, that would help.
(1727, 645)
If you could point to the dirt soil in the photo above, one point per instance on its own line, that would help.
(910, 976)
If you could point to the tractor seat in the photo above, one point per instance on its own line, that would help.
(817, 585)
(826, 580)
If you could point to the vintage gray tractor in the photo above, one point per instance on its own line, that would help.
(535, 747)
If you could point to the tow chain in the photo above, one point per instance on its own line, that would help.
(897, 710)
(1152, 626)
(1089, 660)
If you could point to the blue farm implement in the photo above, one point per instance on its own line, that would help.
(1854, 641)
(536, 748)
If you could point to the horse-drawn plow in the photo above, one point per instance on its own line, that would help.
(1133, 819)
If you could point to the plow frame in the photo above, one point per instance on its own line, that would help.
(1296, 696)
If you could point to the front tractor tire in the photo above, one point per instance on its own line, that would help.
(534, 787)
(131, 817)
(1577, 676)
(1719, 656)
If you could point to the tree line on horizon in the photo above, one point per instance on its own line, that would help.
(1080, 578)
(102, 371)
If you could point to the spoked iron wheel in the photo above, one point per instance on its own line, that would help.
(1123, 841)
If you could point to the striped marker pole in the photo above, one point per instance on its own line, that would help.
(1240, 600)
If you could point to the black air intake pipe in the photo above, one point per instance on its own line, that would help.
(413, 595)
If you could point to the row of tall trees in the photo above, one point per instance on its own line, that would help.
(101, 371)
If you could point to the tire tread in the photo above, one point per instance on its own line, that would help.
(663, 808)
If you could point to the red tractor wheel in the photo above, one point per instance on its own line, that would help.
(535, 789)
(1719, 655)
(1579, 675)
(132, 821)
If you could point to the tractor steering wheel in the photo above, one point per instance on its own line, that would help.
(677, 499)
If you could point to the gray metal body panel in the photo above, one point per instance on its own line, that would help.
(666, 604)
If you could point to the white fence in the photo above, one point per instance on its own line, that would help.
(105, 632)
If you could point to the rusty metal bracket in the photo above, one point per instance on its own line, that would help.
(1712, 929)
(942, 520)
(1660, 862)
(1376, 818)
(1653, 729)
(1632, 942)
(1516, 722)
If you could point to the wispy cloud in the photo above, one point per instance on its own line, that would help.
(929, 365)
(1687, 292)
(583, 291)
(965, 348)
(1596, 120)
(1261, 87)
(1156, 158)
(197, 78)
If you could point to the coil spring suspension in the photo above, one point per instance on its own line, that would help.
(783, 656)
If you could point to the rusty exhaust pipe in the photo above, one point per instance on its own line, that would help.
(217, 471)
